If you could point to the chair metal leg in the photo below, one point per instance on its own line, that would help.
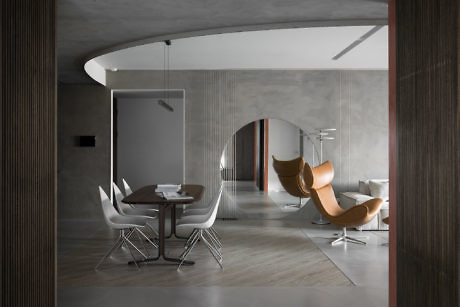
(215, 233)
(147, 238)
(211, 245)
(215, 248)
(212, 249)
(208, 245)
(135, 247)
(128, 235)
(190, 242)
(142, 241)
(191, 237)
(299, 205)
(350, 239)
(215, 242)
(186, 252)
(114, 247)
(346, 238)
(134, 258)
(210, 232)
(213, 239)
(338, 240)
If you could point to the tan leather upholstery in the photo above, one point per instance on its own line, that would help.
(318, 181)
(319, 176)
(290, 176)
(386, 220)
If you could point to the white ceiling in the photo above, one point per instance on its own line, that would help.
(307, 48)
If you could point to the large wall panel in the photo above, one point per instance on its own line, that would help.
(427, 152)
(28, 153)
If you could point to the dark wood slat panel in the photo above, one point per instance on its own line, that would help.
(427, 152)
(28, 153)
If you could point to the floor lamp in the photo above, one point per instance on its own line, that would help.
(322, 135)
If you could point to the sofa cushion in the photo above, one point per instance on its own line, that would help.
(364, 187)
(379, 188)
(385, 205)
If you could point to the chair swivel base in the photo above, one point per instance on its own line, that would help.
(298, 205)
(320, 221)
(293, 206)
(343, 237)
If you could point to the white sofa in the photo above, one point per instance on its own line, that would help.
(369, 189)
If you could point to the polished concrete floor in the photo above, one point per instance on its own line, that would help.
(256, 254)
(252, 203)
(361, 272)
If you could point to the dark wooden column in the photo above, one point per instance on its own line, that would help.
(427, 118)
(28, 153)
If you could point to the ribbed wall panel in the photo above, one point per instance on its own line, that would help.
(28, 153)
(427, 117)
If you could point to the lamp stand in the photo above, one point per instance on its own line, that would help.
(321, 136)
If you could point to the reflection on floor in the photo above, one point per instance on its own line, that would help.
(255, 204)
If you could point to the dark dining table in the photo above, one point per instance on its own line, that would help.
(147, 196)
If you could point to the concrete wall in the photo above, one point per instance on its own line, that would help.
(82, 110)
(150, 142)
(218, 103)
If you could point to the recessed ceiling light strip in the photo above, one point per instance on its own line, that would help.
(357, 42)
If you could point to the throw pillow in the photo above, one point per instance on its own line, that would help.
(379, 188)
(364, 187)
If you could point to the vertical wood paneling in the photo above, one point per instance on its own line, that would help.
(28, 153)
(427, 154)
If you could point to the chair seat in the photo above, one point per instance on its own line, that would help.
(140, 211)
(373, 205)
(190, 212)
(192, 225)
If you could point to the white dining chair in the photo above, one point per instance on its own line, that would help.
(127, 188)
(201, 231)
(127, 210)
(126, 225)
(129, 191)
(200, 213)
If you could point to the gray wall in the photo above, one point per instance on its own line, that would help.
(82, 110)
(150, 142)
(218, 103)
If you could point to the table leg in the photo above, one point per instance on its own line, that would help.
(173, 224)
(161, 241)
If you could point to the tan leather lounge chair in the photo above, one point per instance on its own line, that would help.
(290, 176)
(386, 220)
(318, 180)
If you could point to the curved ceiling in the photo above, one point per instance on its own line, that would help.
(88, 27)
(307, 48)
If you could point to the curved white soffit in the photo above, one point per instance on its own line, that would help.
(95, 71)
(308, 48)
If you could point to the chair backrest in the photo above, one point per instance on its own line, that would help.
(211, 217)
(119, 197)
(127, 188)
(107, 207)
(318, 180)
(290, 176)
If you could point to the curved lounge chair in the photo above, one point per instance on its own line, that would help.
(290, 176)
(318, 180)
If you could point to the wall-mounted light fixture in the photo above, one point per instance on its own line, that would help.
(161, 102)
(165, 105)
